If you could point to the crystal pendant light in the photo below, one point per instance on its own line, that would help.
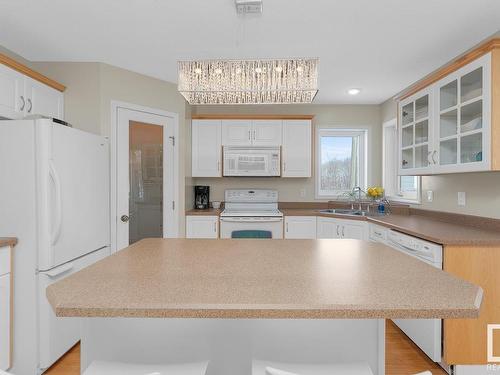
(268, 81)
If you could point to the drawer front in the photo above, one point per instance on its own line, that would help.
(378, 233)
(4, 260)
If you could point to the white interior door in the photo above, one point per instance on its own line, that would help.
(145, 177)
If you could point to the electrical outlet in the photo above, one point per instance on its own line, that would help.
(430, 195)
(461, 198)
(302, 193)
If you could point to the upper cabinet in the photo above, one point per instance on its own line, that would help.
(453, 124)
(251, 132)
(21, 95)
(206, 148)
(43, 100)
(297, 148)
(209, 136)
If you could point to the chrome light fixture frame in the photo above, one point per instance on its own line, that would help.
(257, 81)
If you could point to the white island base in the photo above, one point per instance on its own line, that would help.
(231, 344)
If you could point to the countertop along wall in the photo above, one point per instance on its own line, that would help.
(482, 188)
(335, 116)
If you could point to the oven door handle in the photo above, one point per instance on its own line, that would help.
(256, 220)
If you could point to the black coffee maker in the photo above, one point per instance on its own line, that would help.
(201, 197)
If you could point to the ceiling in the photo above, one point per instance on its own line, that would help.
(380, 46)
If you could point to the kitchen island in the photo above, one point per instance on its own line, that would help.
(233, 300)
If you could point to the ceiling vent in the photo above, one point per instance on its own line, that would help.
(248, 6)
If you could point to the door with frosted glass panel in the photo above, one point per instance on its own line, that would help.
(145, 178)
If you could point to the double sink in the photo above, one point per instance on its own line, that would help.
(348, 212)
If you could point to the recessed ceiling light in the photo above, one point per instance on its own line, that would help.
(353, 91)
(197, 70)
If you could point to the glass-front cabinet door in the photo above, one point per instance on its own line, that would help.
(415, 118)
(462, 131)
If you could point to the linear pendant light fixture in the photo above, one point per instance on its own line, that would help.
(265, 81)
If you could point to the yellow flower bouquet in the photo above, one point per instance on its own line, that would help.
(375, 192)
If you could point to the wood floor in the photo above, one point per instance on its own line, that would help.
(403, 357)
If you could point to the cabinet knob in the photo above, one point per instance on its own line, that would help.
(404, 162)
(124, 218)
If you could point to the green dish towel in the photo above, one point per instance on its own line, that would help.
(251, 234)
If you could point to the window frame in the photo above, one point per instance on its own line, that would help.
(396, 196)
(363, 155)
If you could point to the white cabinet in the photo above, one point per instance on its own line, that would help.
(237, 132)
(341, 228)
(12, 101)
(200, 226)
(297, 148)
(300, 227)
(206, 148)
(22, 96)
(377, 233)
(251, 132)
(43, 100)
(446, 127)
(327, 228)
(5, 308)
(267, 132)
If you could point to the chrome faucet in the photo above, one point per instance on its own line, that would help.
(358, 190)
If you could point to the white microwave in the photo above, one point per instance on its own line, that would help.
(252, 161)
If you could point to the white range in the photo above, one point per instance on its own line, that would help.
(251, 213)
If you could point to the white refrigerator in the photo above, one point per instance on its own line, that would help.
(54, 197)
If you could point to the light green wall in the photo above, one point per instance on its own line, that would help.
(336, 116)
(92, 86)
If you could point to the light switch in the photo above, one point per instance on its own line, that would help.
(430, 195)
(461, 198)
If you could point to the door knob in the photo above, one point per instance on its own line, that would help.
(124, 218)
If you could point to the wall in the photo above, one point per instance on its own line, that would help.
(482, 189)
(82, 104)
(92, 86)
(336, 116)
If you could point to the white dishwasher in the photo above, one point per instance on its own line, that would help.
(426, 333)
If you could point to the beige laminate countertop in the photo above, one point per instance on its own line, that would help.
(8, 241)
(315, 279)
(420, 226)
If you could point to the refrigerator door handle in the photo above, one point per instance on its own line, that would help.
(59, 270)
(56, 230)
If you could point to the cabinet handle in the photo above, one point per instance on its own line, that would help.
(434, 154)
(429, 157)
(404, 162)
(249, 135)
(23, 103)
(30, 106)
(215, 227)
(338, 234)
(287, 227)
(254, 135)
(343, 230)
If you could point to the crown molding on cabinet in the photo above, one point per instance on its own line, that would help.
(250, 117)
(450, 68)
(23, 69)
